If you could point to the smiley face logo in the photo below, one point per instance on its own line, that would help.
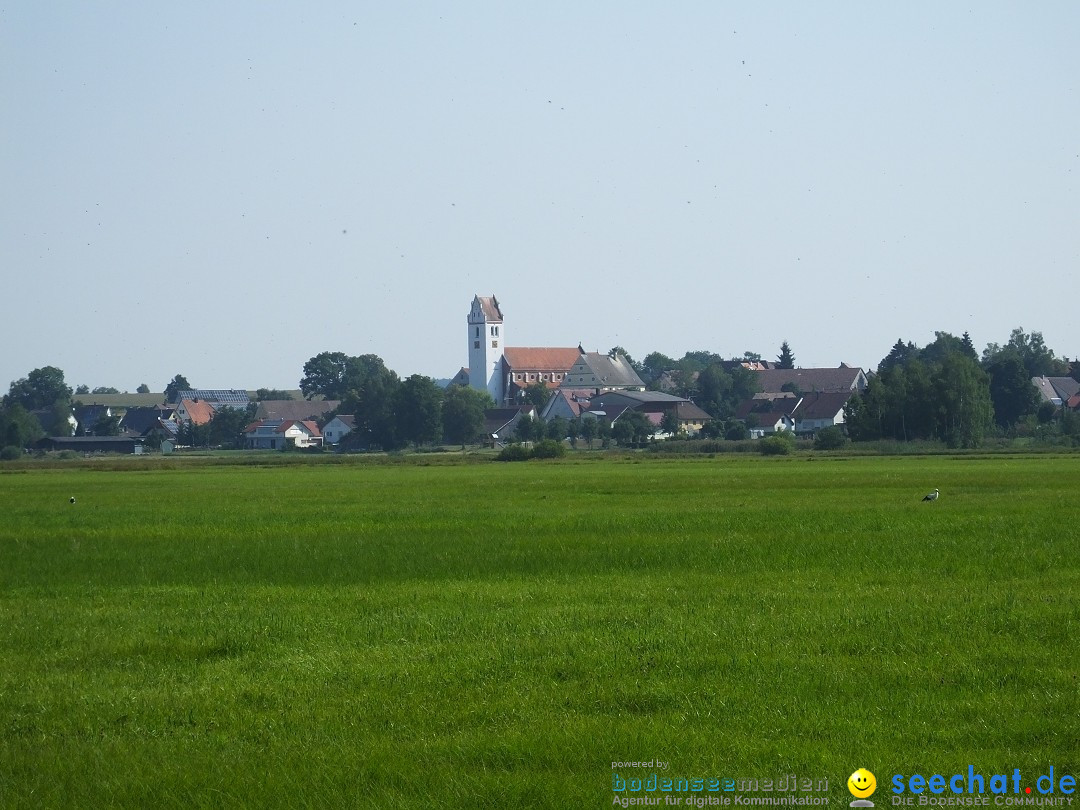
(861, 783)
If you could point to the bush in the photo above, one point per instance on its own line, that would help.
(549, 448)
(10, 453)
(778, 444)
(829, 438)
(514, 452)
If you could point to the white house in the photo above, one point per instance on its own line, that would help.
(816, 411)
(278, 434)
(334, 430)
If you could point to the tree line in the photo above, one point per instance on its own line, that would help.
(945, 391)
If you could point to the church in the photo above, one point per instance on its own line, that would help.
(505, 371)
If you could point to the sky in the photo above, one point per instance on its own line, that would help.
(225, 190)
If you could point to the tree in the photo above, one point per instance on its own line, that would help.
(104, 389)
(264, 394)
(589, 429)
(18, 427)
(41, 388)
(963, 401)
(418, 410)
(107, 426)
(328, 374)
(226, 426)
(898, 355)
(143, 389)
(670, 423)
(537, 395)
(370, 396)
(631, 428)
(557, 428)
(82, 389)
(1036, 356)
(179, 383)
(654, 365)
(786, 359)
(1011, 390)
(463, 414)
(967, 347)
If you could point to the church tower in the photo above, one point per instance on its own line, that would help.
(486, 342)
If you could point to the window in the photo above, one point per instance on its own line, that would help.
(478, 331)
(476, 344)
(494, 344)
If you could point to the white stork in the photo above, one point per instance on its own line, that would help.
(933, 496)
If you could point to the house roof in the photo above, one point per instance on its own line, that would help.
(689, 412)
(528, 358)
(88, 415)
(199, 412)
(283, 425)
(821, 405)
(613, 371)
(844, 378)
(140, 420)
(295, 408)
(765, 408)
(232, 397)
(498, 419)
(572, 399)
(347, 419)
(309, 425)
(1065, 386)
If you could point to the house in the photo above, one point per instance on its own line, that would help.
(336, 429)
(279, 434)
(500, 423)
(765, 416)
(1056, 389)
(602, 372)
(87, 416)
(140, 421)
(819, 410)
(805, 380)
(195, 411)
(654, 404)
(568, 403)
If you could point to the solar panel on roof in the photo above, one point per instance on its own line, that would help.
(230, 396)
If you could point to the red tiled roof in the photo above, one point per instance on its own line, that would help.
(540, 359)
(199, 411)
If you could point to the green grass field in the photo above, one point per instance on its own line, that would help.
(497, 635)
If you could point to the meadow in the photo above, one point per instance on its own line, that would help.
(484, 635)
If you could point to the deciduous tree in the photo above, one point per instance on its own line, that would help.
(463, 414)
(41, 388)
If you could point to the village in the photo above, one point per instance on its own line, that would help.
(509, 394)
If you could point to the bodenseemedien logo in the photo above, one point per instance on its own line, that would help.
(862, 785)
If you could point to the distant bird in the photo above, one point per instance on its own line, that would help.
(71, 499)
(933, 496)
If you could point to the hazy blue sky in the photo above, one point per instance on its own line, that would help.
(224, 190)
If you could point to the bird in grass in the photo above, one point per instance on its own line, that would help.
(71, 499)
(933, 496)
